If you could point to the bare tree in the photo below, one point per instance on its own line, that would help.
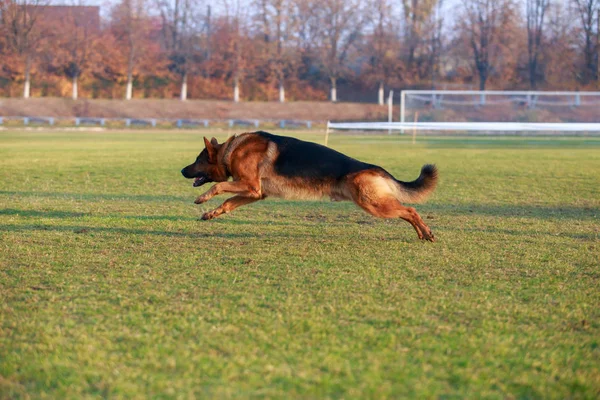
(589, 14)
(181, 25)
(417, 15)
(19, 20)
(129, 25)
(277, 23)
(558, 53)
(237, 65)
(536, 11)
(133, 12)
(76, 40)
(341, 23)
(382, 48)
(236, 51)
(484, 22)
(435, 40)
(308, 26)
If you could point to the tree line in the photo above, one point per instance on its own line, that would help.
(295, 49)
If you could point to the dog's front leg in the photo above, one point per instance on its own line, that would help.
(228, 206)
(241, 188)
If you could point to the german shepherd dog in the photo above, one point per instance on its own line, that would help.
(263, 165)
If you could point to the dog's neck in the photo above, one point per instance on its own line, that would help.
(225, 153)
(229, 147)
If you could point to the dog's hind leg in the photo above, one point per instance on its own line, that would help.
(372, 195)
(228, 206)
(391, 208)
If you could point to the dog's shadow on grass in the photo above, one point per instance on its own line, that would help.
(515, 211)
(83, 229)
(57, 214)
(510, 211)
(99, 196)
(523, 234)
(43, 213)
(502, 210)
(561, 213)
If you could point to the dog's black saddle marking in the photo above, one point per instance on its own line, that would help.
(298, 158)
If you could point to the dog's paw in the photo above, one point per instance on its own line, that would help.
(428, 235)
(211, 214)
(200, 200)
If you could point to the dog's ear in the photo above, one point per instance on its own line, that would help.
(212, 152)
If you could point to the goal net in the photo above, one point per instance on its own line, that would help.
(499, 106)
(463, 111)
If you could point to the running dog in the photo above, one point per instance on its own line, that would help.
(263, 165)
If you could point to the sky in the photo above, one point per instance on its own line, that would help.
(450, 7)
(218, 6)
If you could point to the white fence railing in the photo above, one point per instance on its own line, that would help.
(558, 128)
(470, 126)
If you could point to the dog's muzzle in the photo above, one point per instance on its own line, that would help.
(199, 181)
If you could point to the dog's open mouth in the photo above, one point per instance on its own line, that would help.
(199, 181)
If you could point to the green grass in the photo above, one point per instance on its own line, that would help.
(111, 286)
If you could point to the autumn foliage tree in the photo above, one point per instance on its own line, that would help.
(23, 36)
(294, 49)
(74, 49)
(135, 52)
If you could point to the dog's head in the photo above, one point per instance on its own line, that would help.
(207, 168)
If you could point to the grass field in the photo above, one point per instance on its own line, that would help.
(111, 286)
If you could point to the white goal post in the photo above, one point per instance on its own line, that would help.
(504, 106)
(558, 112)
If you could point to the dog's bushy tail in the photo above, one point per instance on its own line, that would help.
(419, 189)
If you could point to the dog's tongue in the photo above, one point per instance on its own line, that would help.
(198, 181)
